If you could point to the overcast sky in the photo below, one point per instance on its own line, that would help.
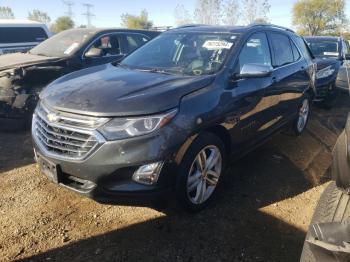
(108, 12)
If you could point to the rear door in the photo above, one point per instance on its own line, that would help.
(290, 73)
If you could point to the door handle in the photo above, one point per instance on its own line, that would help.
(274, 79)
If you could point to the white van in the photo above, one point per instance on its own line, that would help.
(20, 36)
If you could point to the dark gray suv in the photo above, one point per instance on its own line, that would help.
(171, 113)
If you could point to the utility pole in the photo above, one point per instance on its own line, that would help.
(88, 13)
(69, 5)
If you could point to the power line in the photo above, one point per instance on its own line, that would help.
(69, 5)
(88, 13)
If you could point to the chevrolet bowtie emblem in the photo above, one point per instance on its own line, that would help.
(52, 117)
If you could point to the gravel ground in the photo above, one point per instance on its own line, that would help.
(261, 214)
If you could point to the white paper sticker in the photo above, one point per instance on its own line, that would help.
(71, 48)
(217, 44)
(330, 53)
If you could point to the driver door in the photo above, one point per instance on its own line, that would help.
(251, 100)
(104, 49)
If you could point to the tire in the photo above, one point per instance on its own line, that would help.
(305, 102)
(333, 206)
(191, 179)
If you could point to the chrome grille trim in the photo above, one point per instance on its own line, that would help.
(62, 141)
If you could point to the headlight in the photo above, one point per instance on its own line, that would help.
(326, 72)
(121, 128)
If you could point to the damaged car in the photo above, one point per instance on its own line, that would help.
(168, 116)
(328, 238)
(24, 75)
(332, 55)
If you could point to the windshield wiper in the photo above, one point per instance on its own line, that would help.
(154, 70)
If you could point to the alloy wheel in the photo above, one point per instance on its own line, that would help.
(303, 115)
(204, 174)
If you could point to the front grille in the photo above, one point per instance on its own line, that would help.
(61, 140)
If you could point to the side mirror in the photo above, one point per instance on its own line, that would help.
(93, 52)
(255, 71)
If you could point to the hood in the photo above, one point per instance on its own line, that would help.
(325, 62)
(23, 59)
(108, 90)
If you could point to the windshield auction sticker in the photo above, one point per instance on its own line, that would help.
(217, 44)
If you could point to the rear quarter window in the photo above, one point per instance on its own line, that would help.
(306, 52)
(10, 35)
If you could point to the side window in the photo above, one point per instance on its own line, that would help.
(135, 41)
(108, 45)
(22, 34)
(304, 48)
(255, 51)
(282, 49)
(295, 50)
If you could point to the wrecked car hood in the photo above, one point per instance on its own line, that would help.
(19, 59)
(108, 90)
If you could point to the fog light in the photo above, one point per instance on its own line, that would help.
(148, 174)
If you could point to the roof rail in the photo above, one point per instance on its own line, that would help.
(189, 25)
(271, 25)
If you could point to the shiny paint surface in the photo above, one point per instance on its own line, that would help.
(23, 76)
(242, 112)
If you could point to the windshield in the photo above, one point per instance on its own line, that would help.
(185, 53)
(63, 44)
(323, 48)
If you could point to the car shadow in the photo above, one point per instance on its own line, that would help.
(232, 228)
(16, 150)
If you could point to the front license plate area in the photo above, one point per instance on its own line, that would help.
(48, 168)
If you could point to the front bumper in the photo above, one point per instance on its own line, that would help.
(106, 174)
(325, 88)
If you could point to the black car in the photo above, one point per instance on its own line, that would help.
(328, 237)
(333, 71)
(171, 113)
(23, 76)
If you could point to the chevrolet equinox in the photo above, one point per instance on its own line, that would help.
(170, 114)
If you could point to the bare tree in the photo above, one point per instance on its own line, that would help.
(208, 12)
(255, 10)
(231, 12)
(6, 13)
(182, 16)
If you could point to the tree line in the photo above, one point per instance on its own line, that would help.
(310, 17)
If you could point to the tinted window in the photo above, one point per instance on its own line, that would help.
(296, 53)
(255, 51)
(323, 48)
(135, 41)
(283, 52)
(108, 45)
(346, 48)
(22, 34)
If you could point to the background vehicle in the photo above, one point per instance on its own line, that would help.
(332, 58)
(20, 36)
(329, 233)
(170, 113)
(22, 76)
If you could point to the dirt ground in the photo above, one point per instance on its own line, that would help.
(261, 214)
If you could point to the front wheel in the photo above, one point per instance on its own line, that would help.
(302, 118)
(200, 172)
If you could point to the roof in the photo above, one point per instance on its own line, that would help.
(227, 29)
(101, 30)
(19, 22)
(335, 38)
